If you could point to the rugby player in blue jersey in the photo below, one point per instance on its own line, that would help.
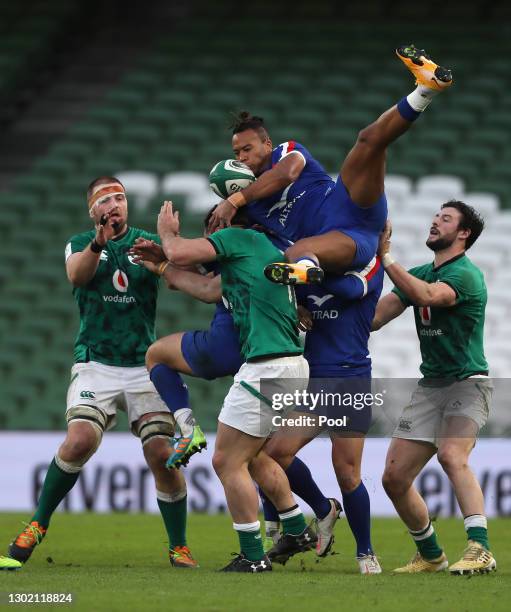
(335, 225)
(336, 347)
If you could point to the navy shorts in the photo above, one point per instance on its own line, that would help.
(213, 353)
(345, 404)
(363, 225)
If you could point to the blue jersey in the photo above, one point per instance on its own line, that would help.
(296, 211)
(315, 204)
(201, 348)
(342, 310)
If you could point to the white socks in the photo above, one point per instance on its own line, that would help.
(421, 97)
(185, 420)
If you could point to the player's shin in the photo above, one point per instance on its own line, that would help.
(357, 507)
(426, 542)
(174, 393)
(271, 521)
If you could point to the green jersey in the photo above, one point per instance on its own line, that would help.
(263, 312)
(117, 306)
(451, 339)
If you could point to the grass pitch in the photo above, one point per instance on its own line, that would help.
(118, 562)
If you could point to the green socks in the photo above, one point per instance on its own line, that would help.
(174, 516)
(425, 540)
(476, 527)
(292, 520)
(56, 486)
(251, 543)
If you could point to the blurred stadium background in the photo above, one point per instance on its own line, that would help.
(144, 92)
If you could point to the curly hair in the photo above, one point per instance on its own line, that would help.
(243, 120)
(470, 219)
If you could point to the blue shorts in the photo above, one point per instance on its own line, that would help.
(213, 353)
(363, 225)
(346, 402)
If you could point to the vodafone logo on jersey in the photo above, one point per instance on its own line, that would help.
(120, 281)
(425, 312)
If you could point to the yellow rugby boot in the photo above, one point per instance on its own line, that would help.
(424, 69)
(293, 273)
(419, 565)
(476, 560)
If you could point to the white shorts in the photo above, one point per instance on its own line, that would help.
(423, 418)
(113, 388)
(245, 410)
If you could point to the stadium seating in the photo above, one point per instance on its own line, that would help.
(164, 126)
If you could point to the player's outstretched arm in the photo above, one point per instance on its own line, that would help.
(419, 292)
(204, 288)
(285, 172)
(388, 308)
(181, 251)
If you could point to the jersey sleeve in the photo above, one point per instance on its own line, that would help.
(77, 243)
(286, 148)
(356, 284)
(463, 281)
(229, 243)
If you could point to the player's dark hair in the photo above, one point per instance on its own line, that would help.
(102, 180)
(243, 120)
(240, 218)
(470, 219)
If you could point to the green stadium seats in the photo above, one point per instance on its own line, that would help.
(127, 153)
(57, 166)
(139, 133)
(92, 132)
(129, 99)
(74, 149)
(110, 115)
(490, 137)
(174, 98)
(170, 113)
(37, 182)
(104, 165)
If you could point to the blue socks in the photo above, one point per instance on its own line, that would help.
(302, 483)
(406, 111)
(170, 386)
(357, 508)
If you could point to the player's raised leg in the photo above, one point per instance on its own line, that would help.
(363, 170)
(361, 184)
(165, 361)
(405, 459)
(155, 430)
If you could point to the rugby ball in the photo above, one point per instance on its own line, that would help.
(229, 176)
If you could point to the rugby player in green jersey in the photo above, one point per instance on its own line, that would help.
(116, 298)
(451, 402)
(266, 318)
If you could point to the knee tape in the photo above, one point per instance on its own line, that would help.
(157, 426)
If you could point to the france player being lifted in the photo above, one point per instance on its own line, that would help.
(335, 225)
(336, 347)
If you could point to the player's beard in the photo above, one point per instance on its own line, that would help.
(440, 244)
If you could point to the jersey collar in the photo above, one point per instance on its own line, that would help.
(449, 261)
